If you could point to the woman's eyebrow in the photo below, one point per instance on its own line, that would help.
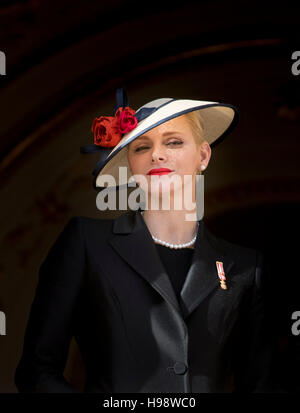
(164, 134)
(172, 133)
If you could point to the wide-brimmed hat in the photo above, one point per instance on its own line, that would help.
(113, 133)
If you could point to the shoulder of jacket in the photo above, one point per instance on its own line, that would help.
(83, 220)
(89, 225)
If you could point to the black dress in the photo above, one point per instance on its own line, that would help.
(176, 263)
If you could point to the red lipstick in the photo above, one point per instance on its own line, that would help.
(159, 171)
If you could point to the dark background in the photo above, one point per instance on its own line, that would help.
(65, 60)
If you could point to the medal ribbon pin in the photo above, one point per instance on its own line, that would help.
(221, 275)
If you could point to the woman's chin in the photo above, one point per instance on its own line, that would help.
(165, 190)
(162, 186)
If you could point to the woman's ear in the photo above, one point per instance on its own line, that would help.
(205, 154)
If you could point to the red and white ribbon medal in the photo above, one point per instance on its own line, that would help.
(221, 275)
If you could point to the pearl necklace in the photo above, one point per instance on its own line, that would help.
(175, 246)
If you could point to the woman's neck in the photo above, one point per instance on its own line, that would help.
(170, 226)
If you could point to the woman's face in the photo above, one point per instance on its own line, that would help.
(169, 145)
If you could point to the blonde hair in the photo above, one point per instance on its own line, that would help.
(197, 124)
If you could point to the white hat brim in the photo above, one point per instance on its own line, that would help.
(218, 118)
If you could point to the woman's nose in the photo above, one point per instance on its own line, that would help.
(158, 153)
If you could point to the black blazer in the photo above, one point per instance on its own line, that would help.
(103, 283)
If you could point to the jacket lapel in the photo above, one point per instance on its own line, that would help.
(132, 240)
(202, 277)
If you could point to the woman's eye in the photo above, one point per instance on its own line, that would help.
(170, 143)
(140, 148)
(175, 143)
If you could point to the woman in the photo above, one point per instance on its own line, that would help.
(155, 301)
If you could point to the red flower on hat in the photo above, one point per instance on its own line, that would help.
(108, 130)
(127, 120)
